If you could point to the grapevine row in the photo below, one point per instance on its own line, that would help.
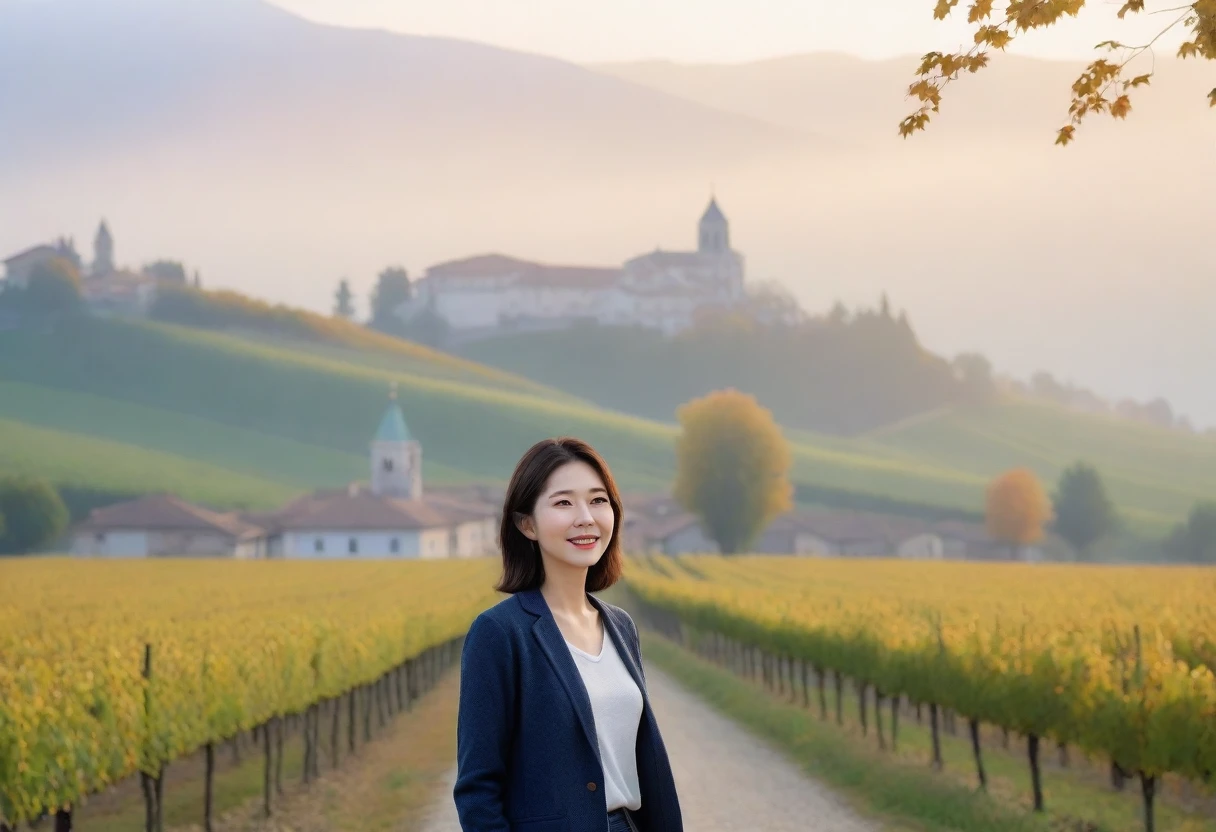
(1084, 657)
(108, 670)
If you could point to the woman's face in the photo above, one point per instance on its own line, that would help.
(573, 520)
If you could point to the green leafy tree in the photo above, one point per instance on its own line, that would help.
(344, 306)
(733, 467)
(1103, 87)
(1194, 541)
(54, 286)
(392, 289)
(1084, 513)
(170, 271)
(974, 373)
(34, 514)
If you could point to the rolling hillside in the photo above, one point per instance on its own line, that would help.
(126, 408)
(1154, 475)
(122, 407)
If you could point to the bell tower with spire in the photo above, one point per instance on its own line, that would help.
(713, 233)
(396, 458)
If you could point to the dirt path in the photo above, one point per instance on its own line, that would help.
(728, 780)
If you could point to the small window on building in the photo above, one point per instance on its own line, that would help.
(318, 545)
(387, 465)
(394, 545)
(352, 546)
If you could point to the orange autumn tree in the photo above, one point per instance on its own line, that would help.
(732, 467)
(1103, 87)
(1017, 508)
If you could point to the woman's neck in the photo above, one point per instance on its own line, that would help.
(565, 589)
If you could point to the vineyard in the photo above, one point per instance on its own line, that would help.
(1113, 661)
(114, 669)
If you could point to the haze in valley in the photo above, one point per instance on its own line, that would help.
(278, 153)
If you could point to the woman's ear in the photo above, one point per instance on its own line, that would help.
(526, 525)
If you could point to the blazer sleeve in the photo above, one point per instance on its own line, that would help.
(484, 727)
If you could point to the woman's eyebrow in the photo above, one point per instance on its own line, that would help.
(565, 491)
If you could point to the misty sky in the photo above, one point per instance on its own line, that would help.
(715, 30)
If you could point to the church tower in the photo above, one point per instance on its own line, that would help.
(713, 235)
(103, 251)
(396, 458)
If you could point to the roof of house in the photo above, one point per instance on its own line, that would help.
(525, 272)
(356, 508)
(842, 526)
(40, 250)
(163, 512)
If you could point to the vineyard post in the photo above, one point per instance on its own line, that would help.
(150, 784)
(63, 820)
(208, 777)
(839, 696)
(894, 720)
(806, 693)
(861, 706)
(1063, 748)
(278, 761)
(307, 767)
(1036, 782)
(316, 741)
(411, 684)
(974, 725)
(367, 714)
(352, 718)
(937, 740)
(336, 717)
(821, 683)
(268, 771)
(1148, 784)
(878, 698)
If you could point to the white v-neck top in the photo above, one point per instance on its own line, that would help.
(616, 703)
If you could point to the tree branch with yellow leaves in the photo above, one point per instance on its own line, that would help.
(1101, 88)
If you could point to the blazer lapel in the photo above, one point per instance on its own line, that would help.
(623, 647)
(553, 645)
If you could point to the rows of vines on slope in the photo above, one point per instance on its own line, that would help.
(1082, 655)
(234, 644)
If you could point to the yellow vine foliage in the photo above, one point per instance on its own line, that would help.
(1115, 660)
(1017, 508)
(1101, 88)
(233, 643)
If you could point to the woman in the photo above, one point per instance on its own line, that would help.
(555, 732)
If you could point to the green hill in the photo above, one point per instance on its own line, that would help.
(1153, 474)
(234, 420)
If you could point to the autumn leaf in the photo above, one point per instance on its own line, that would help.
(1212, 98)
(1131, 6)
(943, 8)
(1065, 135)
(1120, 107)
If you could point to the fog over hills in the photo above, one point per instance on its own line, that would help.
(277, 155)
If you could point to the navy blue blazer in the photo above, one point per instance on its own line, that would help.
(527, 755)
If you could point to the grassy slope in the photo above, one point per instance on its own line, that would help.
(1154, 475)
(291, 416)
(299, 416)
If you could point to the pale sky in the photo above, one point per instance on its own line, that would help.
(588, 31)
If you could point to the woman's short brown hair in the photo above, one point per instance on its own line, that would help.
(522, 567)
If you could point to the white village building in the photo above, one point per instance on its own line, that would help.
(387, 517)
(664, 290)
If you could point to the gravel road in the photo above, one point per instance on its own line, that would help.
(728, 780)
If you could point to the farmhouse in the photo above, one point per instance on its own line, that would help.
(161, 524)
(665, 290)
(387, 517)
